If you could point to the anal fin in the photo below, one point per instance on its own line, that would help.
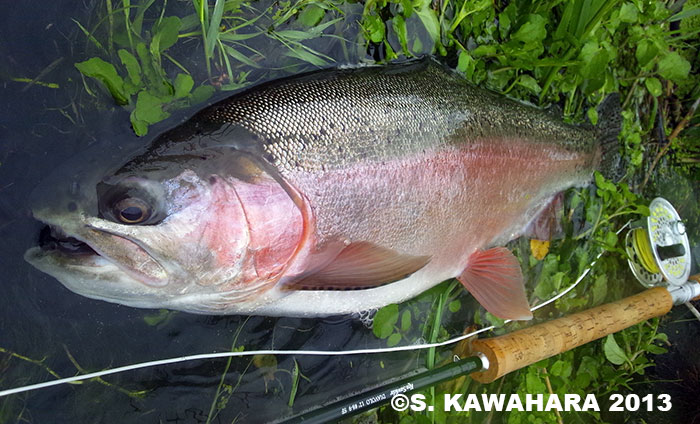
(360, 265)
(495, 279)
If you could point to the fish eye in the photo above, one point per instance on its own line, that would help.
(132, 210)
(136, 202)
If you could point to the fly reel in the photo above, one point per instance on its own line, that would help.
(657, 247)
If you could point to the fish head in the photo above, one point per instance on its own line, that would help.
(198, 232)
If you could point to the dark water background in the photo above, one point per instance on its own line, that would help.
(42, 320)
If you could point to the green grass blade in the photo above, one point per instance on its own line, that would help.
(230, 51)
(89, 36)
(227, 36)
(213, 30)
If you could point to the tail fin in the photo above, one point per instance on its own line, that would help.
(609, 126)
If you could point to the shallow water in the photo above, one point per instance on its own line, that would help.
(42, 320)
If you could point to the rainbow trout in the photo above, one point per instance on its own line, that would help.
(328, 193)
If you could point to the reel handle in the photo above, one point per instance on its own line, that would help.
(672, 251)
(524, 347)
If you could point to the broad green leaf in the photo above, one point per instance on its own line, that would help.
(604, 184)
(311, 15)
(152, 72)
(494, 320)
(662, 337)
(466, 64)
(646, 51)
(628, 13)
(384, 321)
(183, 85)
(167, 32)
(140, 127)
(532, 31)
(654, 86)
(201, 94)
(533, 382)
(561, 369)
(656, 350)
(600, 289)
(374, 26)
(611, 239)
(105, 73)
(430, 21)
(594, 59)
(393, 340)
(674, 67)
(406, 320)
(592, 115)
(504, 20)
(399, 26)
(589, 366)
(454, 306)
(149, 108)
(613, 352)
(464, 60)
(530, 83)
(132, 66)
(407, 6)
(485, 50)
(189, 23)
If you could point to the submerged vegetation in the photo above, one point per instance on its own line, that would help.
(153, 57)
(148, 65)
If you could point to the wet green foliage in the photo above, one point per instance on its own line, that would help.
(142, 49)
(136, 77)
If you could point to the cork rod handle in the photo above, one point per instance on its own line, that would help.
(695, 278)
(524, 347)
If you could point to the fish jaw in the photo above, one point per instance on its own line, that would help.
(79, 272)
(79, 276)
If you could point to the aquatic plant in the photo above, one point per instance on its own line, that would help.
(140, 61)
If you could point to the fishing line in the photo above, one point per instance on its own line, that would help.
(217, 355)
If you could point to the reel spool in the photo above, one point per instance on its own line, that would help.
(658, 248)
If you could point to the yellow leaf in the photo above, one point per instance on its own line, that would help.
(539, 248)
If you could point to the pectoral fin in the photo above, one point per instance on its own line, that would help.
(360, 265)
(494, 278)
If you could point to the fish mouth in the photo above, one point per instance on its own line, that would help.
(87, 247)
(52, 238)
